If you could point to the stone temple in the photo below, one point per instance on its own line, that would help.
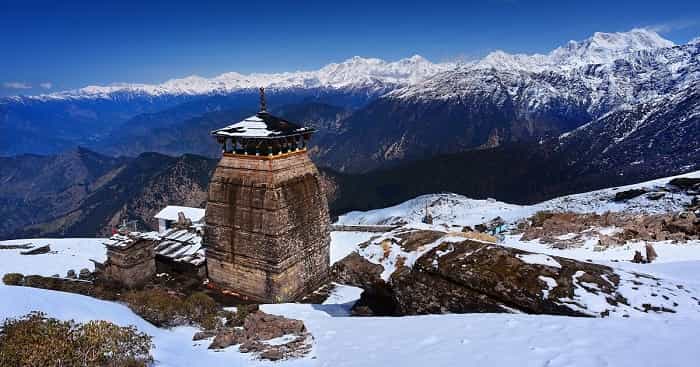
(267, 224)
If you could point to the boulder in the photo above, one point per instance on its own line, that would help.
(357, 271)
(628, 194)
(206, 334)
(651, 253)
(71, 274)
(684, 183)
(656, 195)
(258, 328)
(37, 250)
(472, 276)
(85, 274)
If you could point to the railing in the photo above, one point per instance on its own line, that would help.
(362, 228)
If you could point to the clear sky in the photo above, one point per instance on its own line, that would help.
(56, 45)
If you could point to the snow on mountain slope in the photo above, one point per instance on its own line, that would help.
(457, 210)
(354, 73)
(601, 73)
(436, 340)
(601, 48)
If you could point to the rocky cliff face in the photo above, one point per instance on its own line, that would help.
(408, 272)
(103, 192)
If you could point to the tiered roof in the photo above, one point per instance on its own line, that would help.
(262, 125)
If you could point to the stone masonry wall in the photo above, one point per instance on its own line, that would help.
(267, 228)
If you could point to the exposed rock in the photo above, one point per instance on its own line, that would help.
(655, 195)
(651, 253)
(22, 246)
(37, 250)
(226, 338)
(629, 194)
(576, 228)
(685, 222)
(357, 271)
(638, 258)
(85, 274)
(71, 274)
(472, 276)
(259, 328)
(206, 334)
(685, 183)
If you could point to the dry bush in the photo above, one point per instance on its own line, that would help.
(540, 217)
(165, 309)
(35, 340)
(386, 248)
(13, 279)
(242, 311)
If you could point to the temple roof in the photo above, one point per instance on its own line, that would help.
(262, 125)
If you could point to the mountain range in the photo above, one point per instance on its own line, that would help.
(607, 110)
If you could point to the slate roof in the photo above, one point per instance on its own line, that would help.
(181, 245)
(262, 125)
(170, 213)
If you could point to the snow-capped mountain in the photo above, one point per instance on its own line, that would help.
(518, 98)
(601, 48)
(353, 73)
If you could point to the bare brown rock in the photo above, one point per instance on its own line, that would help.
(651, 253)
(638, 258)
(258, 328)
(357, 271)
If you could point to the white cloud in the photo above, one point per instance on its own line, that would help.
(46, 85)
(16, 85)
(672, 26)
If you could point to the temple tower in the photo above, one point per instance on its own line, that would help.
(267, 224)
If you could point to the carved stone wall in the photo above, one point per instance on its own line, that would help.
(267, 227)
(132, 265)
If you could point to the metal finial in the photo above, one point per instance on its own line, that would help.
(263, 106)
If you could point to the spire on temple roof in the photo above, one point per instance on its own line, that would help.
(263, 104)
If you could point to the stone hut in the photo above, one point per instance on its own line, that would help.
(130, 259)
(266, 222)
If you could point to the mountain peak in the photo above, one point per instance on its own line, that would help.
(600, 48)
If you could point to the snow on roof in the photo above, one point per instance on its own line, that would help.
(170, 213)
(181, 245)
(127, 239)
(262, 125)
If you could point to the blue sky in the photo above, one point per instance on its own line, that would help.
(56, 45)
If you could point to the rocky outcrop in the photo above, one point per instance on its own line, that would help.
(564, 230)
(464, 276)
(270, 337)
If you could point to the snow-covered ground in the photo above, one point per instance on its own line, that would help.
(66, 253)
(435, 340)
(452, 209)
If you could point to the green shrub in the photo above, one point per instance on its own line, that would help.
(242, 311)
(35, 340)
(13, 279)
(203, 310)
(165, 309)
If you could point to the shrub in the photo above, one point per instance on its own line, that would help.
(156, 306)
(242, 311)
(164, 309)
(203, 310)
(13, 279)
(540, 217)
(35, 340)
